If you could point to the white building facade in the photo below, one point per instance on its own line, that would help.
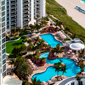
(21, 13)
(2, 40)
(72, 81)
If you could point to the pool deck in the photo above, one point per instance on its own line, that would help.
(43, 68)
(65, 54)
(57, 36)
(40, 70)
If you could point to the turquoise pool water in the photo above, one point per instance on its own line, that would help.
(50, 72)
(83, 57)
(49, 38)
(83, 1)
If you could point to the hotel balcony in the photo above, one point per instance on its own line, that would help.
(25, 14)
(26, 3)
(13, 14)
(12, 23)
(13, 0)
(13, 19)
(13, 7)
(13, 11)
(25, 26)
(14, 26)
(25, 11)
(25, 21)
(13, 3)
(25, 7)
(25, 18)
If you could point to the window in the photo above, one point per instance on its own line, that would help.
(4, 61)
(3, 30)
(3, 19)
(3, 13)
(3, 46)
(3, 35)
(4, 74)
(3, 56)
(3, 24)
(72, 83)
(3, 40)
(3, 51)
(3, 2)
(3, 8)
(4, 67)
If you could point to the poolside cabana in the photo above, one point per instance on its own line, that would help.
(61, 35)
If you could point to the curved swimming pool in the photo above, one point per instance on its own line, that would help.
(50, 72)
(49, 38)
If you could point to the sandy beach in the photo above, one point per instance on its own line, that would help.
(76, 15)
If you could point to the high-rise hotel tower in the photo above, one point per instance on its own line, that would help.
(21, 13)
(13, 14)
(2, 40)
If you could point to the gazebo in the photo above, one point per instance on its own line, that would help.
(77, 46)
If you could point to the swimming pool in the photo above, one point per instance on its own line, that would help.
(50, 72)
(83, 57)
(49, 38)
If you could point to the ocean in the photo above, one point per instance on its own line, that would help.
(83, 1)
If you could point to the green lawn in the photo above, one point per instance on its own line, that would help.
(53, 8)
(10, 45)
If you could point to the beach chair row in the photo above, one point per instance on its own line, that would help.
(80, 9)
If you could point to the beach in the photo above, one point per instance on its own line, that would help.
(76, 15)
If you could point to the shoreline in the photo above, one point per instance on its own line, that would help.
(76, 15)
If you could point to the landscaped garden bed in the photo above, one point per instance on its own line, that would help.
(50, 30)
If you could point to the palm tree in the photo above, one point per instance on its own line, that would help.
(12, 31)
(43, 22)
(35, 82)
(31, 27)
(11, 62)
(78, 78)
(30, 47)
(18, 29)
(63, 69)
(19, 62)
(23, 70)
(37, 27)
(81, 54)
(57, 66)
(15, 52)
(81, 66)
(37, 39)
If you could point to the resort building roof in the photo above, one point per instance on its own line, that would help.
(77, 46)
(8, 80)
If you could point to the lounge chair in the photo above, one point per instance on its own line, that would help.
(44, 83)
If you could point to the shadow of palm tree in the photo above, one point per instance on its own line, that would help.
(17, 43)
